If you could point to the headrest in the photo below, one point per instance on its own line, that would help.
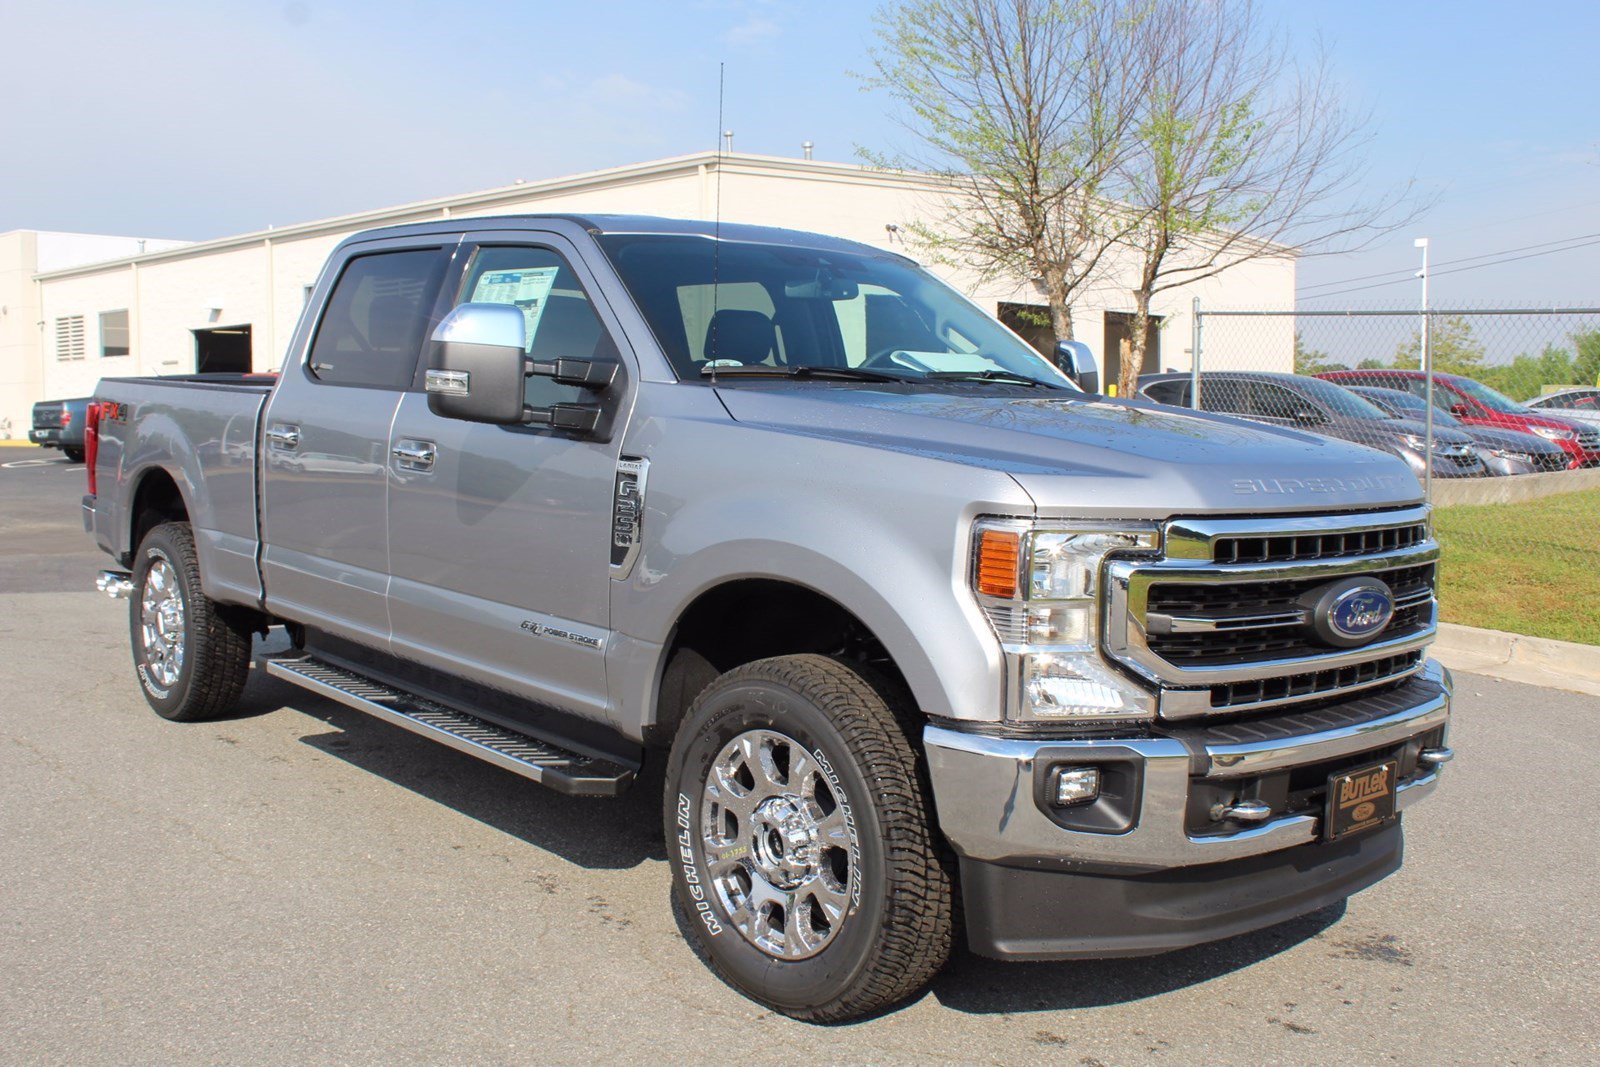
(746, 336)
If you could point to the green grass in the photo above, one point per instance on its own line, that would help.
(1531, 568)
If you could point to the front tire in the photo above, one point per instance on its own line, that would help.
(192, 654)
(801, 841)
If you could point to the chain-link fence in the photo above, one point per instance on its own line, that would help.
(1509, 448)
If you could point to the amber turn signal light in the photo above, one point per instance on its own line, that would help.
(998, 554)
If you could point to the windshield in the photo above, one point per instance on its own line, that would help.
(1488, 397)
(726, 304)
(1406, 406)
(1338, 399)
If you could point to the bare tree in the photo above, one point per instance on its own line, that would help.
(1238, 155)
(1024, 108)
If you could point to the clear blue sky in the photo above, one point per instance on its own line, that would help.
(197, 120)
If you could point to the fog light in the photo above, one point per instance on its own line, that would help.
(1074, 785)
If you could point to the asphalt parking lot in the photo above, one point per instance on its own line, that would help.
(303, 884)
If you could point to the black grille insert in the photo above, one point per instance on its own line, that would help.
(1288, 548)
(1314, 683)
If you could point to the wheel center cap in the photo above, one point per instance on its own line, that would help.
(784, 842)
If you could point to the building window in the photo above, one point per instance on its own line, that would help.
(113, 333)
(69, 337)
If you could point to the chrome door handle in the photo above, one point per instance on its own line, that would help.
(415, 455)
(284, 436)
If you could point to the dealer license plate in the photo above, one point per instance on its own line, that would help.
(1361, 799)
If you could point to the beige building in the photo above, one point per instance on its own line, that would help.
(152, 307)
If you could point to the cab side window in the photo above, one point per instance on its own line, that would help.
(371, 331)
(558, 318)
(1229, 395)
(1269, 400)
(1169, 392)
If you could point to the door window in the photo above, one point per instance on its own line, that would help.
(559, 319)
(1271, 401)
(371, 331)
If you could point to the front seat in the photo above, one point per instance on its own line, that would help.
(742, 336)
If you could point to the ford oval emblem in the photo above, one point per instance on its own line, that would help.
(1350, 612)
(1360, 612)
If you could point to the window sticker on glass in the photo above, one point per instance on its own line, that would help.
(527, 289)
(941, 362)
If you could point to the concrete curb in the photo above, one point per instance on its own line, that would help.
(1475, 491)
(9, 443)
(1518, 658)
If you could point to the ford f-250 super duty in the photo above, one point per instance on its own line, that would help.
(901, 606)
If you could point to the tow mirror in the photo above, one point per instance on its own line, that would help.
(477, 366)
(1077, 362)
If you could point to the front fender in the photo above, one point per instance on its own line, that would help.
(885, 535)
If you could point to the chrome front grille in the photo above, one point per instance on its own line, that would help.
(1589, 440)
(1220, 624)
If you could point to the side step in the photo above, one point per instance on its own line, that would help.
(560, 769)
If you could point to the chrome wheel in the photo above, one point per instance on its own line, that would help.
(161, 624)
(780, 844)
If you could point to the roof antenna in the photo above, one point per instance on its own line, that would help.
(716, 226)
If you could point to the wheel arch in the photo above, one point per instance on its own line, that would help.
(157, 498)
(743, 619)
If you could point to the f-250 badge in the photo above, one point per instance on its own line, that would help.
(627, 511)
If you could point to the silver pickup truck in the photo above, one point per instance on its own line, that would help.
(904, 606)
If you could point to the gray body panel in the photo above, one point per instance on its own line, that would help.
(204, 435)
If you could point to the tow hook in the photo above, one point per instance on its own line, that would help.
(118, 585)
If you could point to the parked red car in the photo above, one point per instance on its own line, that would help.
(1477, 405)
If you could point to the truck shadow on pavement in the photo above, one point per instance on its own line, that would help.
(981, 986)
(604, 834)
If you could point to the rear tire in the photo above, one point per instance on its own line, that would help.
(801, 841)
(74, 455)
(192, 654)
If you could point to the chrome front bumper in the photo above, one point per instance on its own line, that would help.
(991, 810)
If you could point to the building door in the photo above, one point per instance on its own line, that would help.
(222, 350)
(1119, 331)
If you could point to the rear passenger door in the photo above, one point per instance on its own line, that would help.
(500, 540)
(325, 446)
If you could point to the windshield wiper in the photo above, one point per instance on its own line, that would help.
(801, 370)
(987, 376)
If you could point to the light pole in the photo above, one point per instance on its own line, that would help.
(1427, 373)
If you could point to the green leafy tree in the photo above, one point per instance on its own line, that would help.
(1238, 156)
(1024, 108)
(1310, 360)
(1586, 359)
(1455, 349)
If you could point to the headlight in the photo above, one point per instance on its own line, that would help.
(1040, 587)
(1416, 441)
(1550, 433)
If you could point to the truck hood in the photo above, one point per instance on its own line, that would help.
(1091, 457)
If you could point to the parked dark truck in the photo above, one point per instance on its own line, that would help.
(60, 424)
(897, 602)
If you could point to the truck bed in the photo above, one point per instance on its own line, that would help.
(201, 431)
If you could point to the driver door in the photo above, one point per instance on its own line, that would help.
(500, 542)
